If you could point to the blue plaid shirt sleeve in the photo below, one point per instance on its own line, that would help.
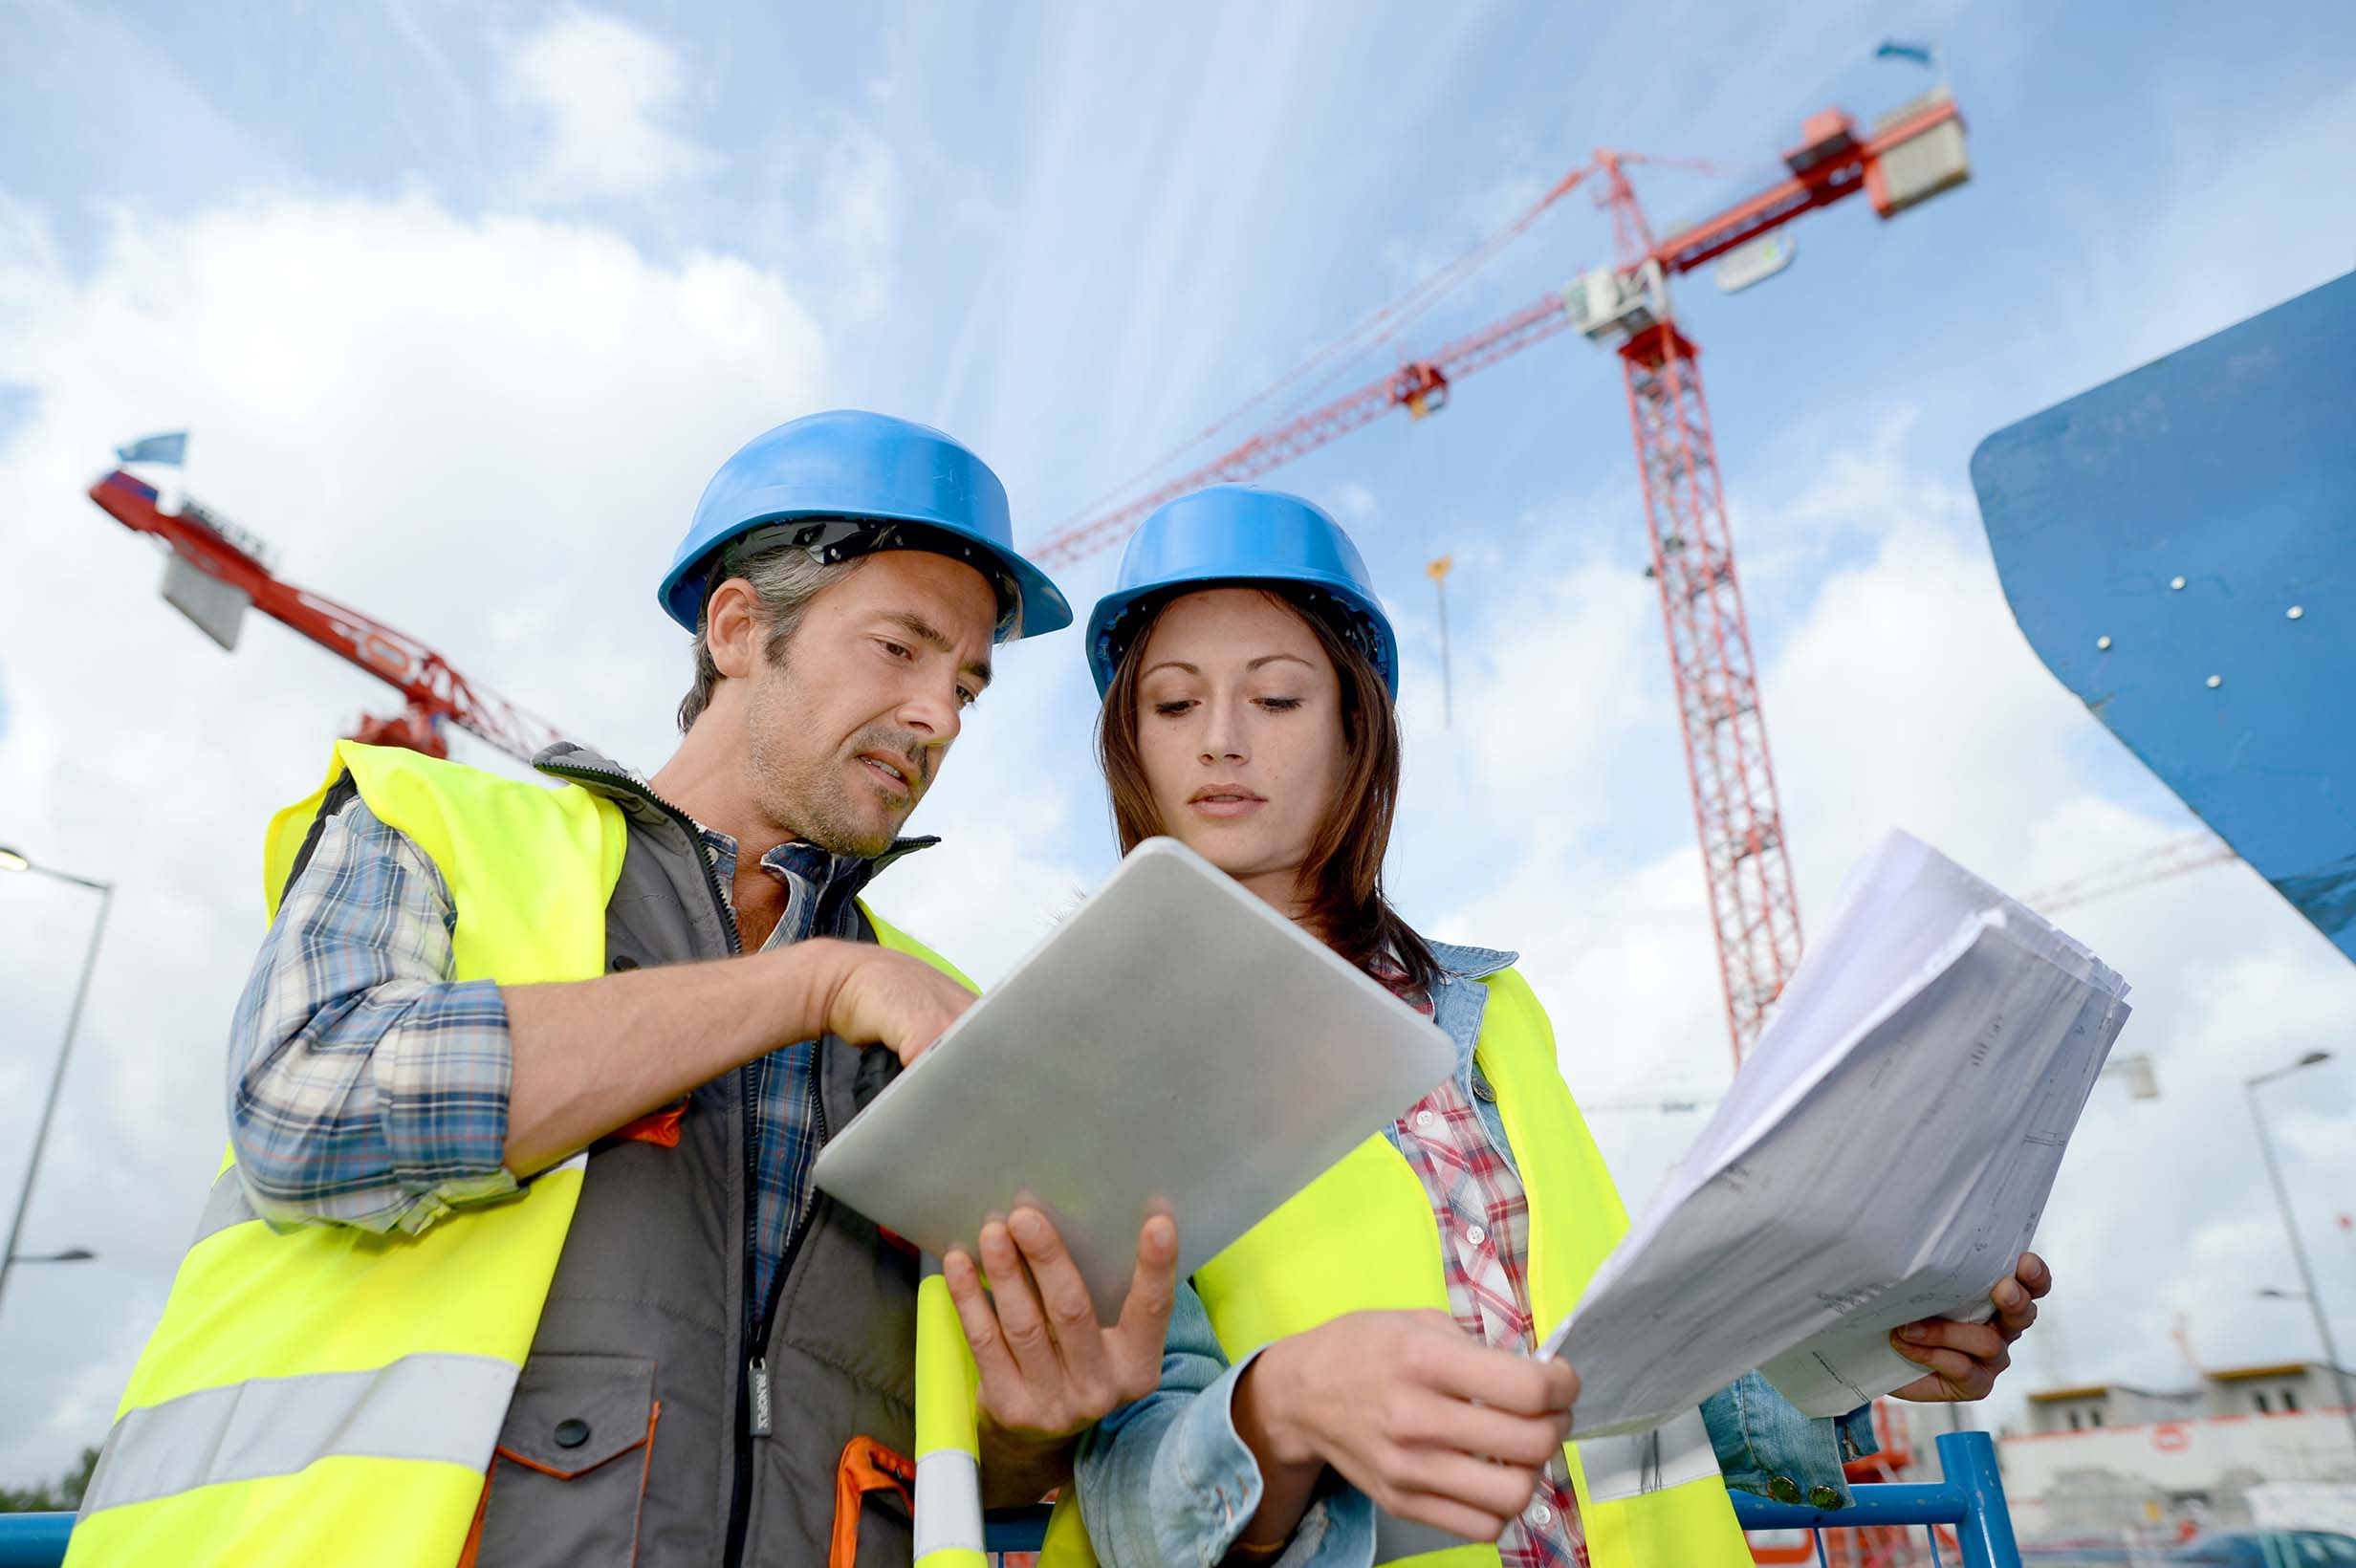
(365, 1087)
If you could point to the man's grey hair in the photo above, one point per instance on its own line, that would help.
(787, 579)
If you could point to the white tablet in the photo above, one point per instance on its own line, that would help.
(1176, 1045)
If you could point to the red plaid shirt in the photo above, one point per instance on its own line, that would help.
(1483, 1213)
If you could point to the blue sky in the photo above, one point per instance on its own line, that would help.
(465, 302)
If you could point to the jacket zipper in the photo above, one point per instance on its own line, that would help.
(754, 1405)
(759, 1395)
(756, 1409)
(753, 1409)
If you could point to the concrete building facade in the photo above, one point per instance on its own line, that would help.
(2103, 1459)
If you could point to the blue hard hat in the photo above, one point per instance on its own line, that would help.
(1240, 536)
(863, 482)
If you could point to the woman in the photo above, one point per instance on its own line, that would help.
(1351, 1382)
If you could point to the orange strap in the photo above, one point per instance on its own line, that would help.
(661, 1129)
(867, 1466)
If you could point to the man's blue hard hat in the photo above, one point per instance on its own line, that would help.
(862, 483)
(1240, 536)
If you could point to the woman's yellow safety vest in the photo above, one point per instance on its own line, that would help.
(330, 1395)
(1361, 1237)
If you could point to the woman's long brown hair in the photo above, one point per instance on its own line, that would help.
(1343, 869)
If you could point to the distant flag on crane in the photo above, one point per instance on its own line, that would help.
(1922, 54)
(171, 447)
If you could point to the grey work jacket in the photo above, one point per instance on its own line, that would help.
(629, 1440)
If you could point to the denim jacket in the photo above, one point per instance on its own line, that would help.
(1168, 1480)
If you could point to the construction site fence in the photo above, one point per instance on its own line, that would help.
(1966, 1507)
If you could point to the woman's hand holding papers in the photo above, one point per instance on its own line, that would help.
(1965, 1358)
(1048, 1370)
(1432, 1426)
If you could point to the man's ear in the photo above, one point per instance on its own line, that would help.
(732, 629)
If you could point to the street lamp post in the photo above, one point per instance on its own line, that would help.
(2290, 1228)
(14, 860)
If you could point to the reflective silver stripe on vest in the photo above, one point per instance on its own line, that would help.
(949, 1503)
(425, 1406)
(225, 1205)
(1620, 1467)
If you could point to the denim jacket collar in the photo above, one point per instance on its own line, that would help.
(1470, 962)
(1457, 1002)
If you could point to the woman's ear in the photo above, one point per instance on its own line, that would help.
(732, 629)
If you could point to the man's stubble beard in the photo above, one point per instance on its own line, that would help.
(806, 796)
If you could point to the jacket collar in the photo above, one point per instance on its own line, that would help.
(592, 769)
(1459, 963)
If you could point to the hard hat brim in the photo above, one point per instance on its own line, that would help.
(1104, 620)
(1044, 608)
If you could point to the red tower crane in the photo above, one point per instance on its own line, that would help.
(1911, 155)
(216, 572)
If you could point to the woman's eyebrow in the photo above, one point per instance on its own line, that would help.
(1193, 670)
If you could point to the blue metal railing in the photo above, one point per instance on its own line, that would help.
(33, 1540)
(1970, 1499)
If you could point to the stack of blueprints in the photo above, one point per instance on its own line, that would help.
(1883, 1156)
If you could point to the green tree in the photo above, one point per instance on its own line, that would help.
(62, 1496)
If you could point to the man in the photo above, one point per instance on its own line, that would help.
(518, 1260)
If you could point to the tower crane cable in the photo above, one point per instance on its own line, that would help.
(1390, 317)
(1401, 314)
(2173, 858)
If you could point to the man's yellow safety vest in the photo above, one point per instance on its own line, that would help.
(329, 1394)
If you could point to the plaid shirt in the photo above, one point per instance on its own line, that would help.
(1483, 1213)
(368, 1089)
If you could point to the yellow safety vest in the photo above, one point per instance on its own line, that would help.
(1361, 1237)
(332, 1395)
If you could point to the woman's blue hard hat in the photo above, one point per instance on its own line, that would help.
(1240, 536)
(861, 483)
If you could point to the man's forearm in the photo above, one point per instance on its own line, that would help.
(591, 1056)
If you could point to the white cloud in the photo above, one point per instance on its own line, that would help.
(602, 86)
(859, 218)
(490, 432)
(1353, 502)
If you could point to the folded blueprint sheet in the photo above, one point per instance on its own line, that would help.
(1883, 1155)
